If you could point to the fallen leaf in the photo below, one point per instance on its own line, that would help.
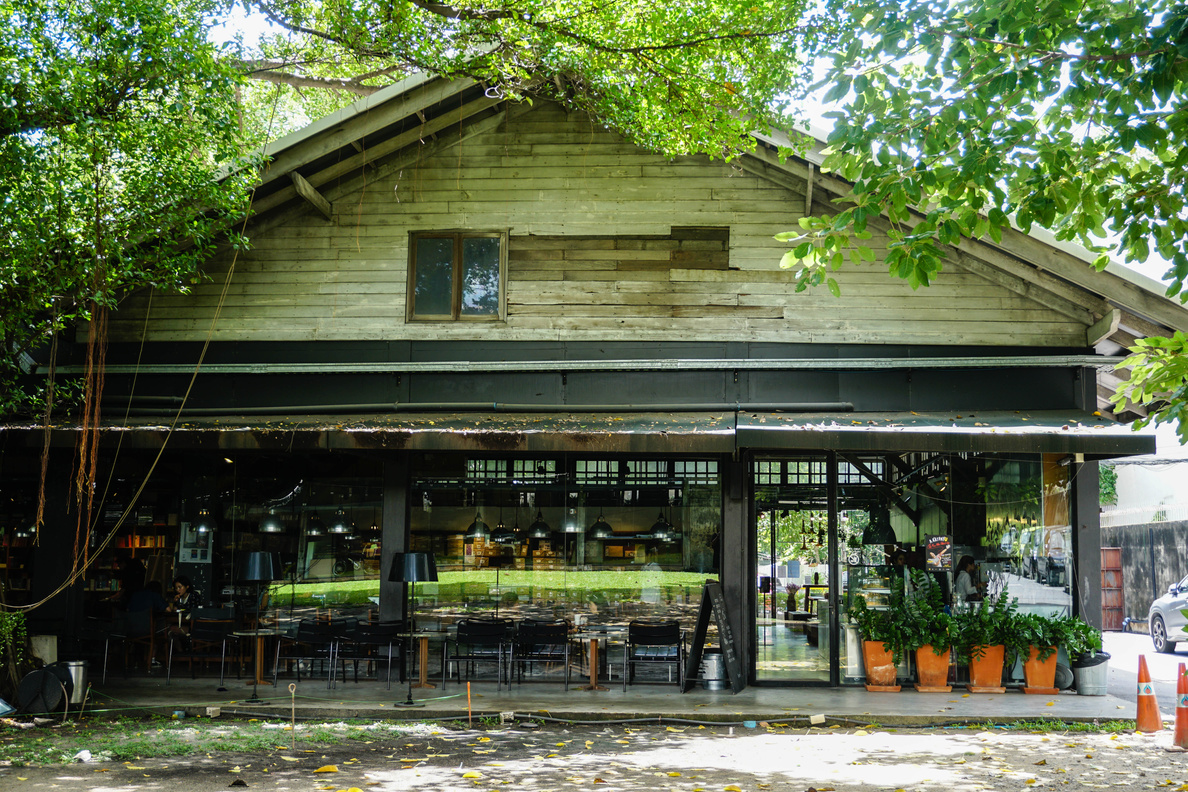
(291, 758)
(472, 774)
(327, 769)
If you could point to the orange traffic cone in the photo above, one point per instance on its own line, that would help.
(1181, 737)
(1147, 719)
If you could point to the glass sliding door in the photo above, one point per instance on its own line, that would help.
(791, 522)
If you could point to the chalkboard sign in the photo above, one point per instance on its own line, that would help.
(713, 602)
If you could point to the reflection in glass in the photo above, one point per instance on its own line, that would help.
(480, 276)
(434, 285)
(558, 567)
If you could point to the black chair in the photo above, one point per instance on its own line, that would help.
(541, 642)
(654, 642)
(313, 641)
(207, 640)
(480, 641)
(100, 631)
(372, 643)
(141, 631)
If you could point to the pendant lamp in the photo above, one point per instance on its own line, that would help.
(271, 523)
(539, 528)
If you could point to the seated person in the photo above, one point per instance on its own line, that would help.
(148, 598)
(185, 596)
(966, 588)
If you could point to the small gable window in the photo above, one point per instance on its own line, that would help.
(456, 275)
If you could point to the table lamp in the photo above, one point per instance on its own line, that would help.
(259, 568)
(412, 568)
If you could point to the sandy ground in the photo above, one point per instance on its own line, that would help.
(689, 759)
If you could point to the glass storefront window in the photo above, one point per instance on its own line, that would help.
(898, 513)
(594, 540)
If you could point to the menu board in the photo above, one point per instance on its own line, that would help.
(713, 602)
(939, 551)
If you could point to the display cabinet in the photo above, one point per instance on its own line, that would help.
(872, 583)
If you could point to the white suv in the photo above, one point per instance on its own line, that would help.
(1166, 619)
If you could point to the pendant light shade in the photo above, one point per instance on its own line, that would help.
(478, 529)
(271, 523)
(661, 525)
(879, 531)
(205, 523)
(502, 534)
(601, 529)
(341, 524)
(314, 525)
(539, 528)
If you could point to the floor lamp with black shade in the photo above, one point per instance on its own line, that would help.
(412, 568)
(261, 569)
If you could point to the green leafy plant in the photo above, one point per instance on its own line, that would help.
(1046, 633)
(14, 654)
(990, 623)
(1082, 638)
(925, 620)
(882, 625)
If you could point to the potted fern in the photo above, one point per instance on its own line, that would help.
(1035, 639)
(981, 633)
(882, 643)
(928, 631)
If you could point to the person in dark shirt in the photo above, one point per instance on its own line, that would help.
(148, 598)
(129, 574)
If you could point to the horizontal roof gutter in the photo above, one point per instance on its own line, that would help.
(670, 364)
(502, 407)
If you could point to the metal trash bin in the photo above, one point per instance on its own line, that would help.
(713, 670)
(1091, 674)
(78, 675)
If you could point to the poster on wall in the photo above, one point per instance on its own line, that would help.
(940, 551)
(195, 547)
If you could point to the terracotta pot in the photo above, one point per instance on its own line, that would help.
(933, 670)
(985, 669)
(880, 667)
(1039, 677)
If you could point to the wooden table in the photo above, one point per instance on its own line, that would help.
(593, 637)
(423, 637)
(260, 636)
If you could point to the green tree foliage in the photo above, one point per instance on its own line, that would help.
(1107, 486)
(116, 114)
(958, 116)
(676, 77)
(114, 117)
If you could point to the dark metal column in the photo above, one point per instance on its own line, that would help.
(395, 535)
(1086, 523)
(737, 557)
(834, 572)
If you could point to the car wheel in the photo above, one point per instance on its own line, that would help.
(1159, 636)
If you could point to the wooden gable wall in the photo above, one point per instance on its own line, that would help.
(607, 242)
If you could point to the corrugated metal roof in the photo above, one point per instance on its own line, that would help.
(976, 432)
(655, 432)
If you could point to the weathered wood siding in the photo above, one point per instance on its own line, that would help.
(593, 255)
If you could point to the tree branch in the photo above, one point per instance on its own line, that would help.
(269, 71)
